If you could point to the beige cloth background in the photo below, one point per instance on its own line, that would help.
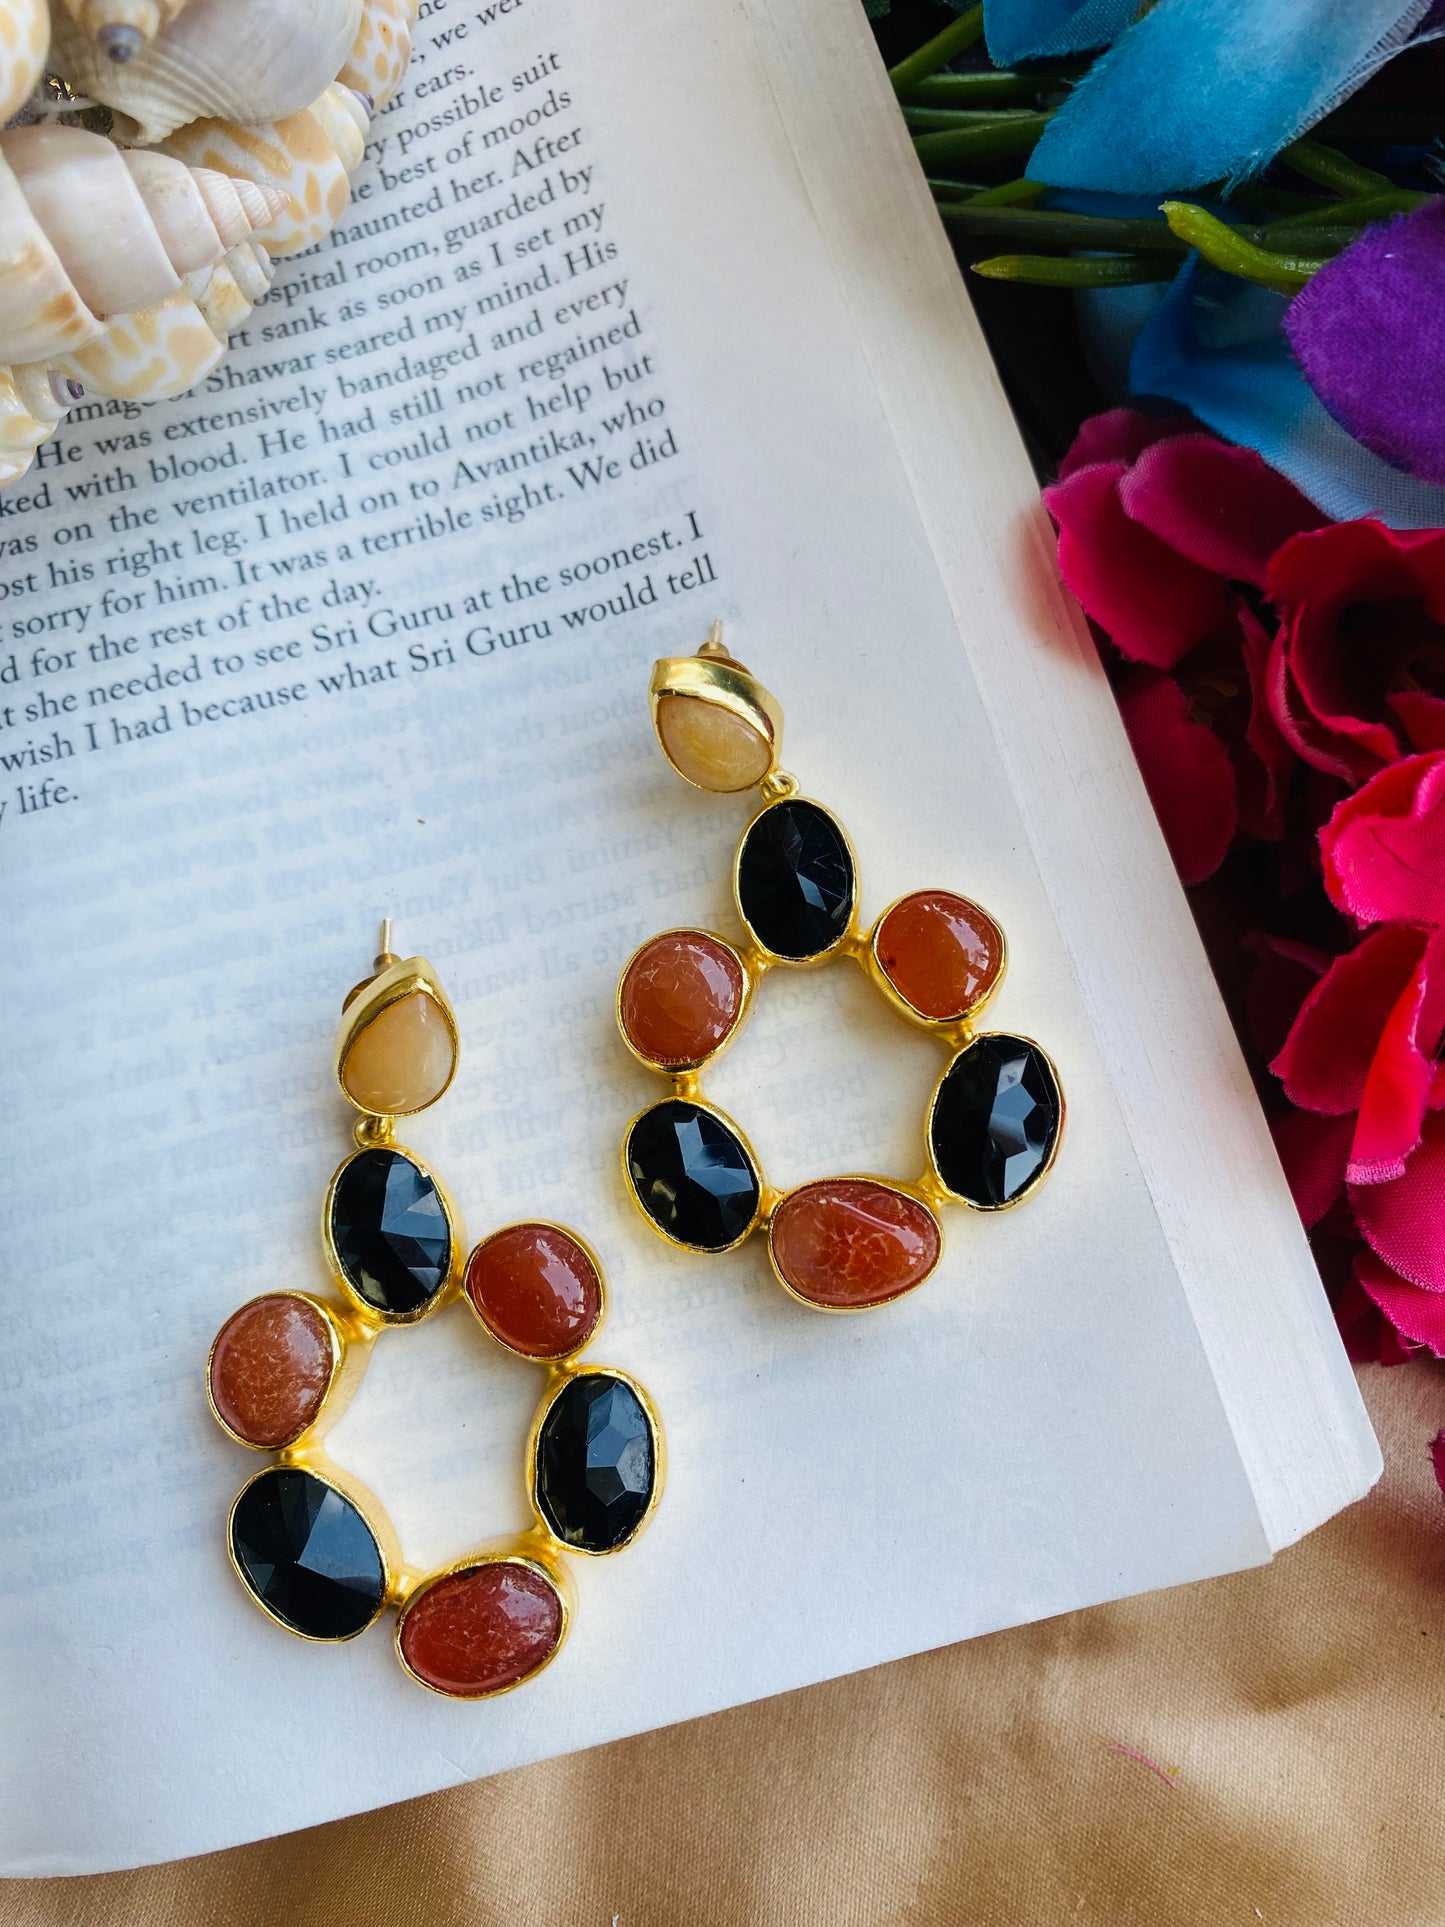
(1294, 1717)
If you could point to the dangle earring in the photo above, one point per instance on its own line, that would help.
(994, 1121)
(311, 1545)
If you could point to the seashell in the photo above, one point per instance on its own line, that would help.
(41, 314)
(120, 28)
(24, 42)
(87, 233)
(198, 213)
(381, 50)
(308, 156)
(33, 400)
(251, 61)
(149, 356)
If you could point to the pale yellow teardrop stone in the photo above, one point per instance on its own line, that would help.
(403, 1060)
(711, 746)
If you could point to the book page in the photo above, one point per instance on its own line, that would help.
(363, 628)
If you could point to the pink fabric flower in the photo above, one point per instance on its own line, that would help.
(1186, 770)
(1156, 520)
(1357, 676)
(1384, 846)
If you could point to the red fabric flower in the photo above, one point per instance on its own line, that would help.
(1156, 519)
(1358, 671)
(1186, 770)
(1384, 847)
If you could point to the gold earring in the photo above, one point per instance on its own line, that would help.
(996, 1115)
(313, 1548)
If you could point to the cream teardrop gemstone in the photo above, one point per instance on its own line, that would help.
(712, 746)
(403, 1060)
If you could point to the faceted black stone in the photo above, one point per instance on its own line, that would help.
(995, 1119)
(307, 1554)
(692, 1175)
(390, 1231)
(795, 879)
(595, 1463)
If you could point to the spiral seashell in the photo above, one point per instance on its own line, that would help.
(120, 28)
(251, 61)
(381, 50)
(149, 356)
(33, 400)
(307, 156)
(88, 232)
(24, 41)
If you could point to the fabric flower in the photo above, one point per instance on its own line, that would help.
(1156, 519)
(1186, 770)
(1195, 91)
(1358, 671)
(1369, 332)
(1384, 847)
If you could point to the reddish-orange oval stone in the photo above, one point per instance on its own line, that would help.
(536, 1289)
(271, 1367)
(850, 1242)
(481, 1630)
(681, 997)
(941, 953)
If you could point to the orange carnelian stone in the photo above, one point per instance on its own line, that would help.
(482, 1629)
(536, 1289)
(270, 1369)
(850, 1242)
(941, 953)
(681, 997)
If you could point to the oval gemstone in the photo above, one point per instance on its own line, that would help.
(595, 1463)
(390, 1232)
(536, 1290)
(680, 999)
(307, 1554)
(995, 1120)
(403, 1060)
(483, 1629)
(710, 745)
(271, 1368)
(692, 1175)
(795, 879)
(849, 1242)
(941, 953)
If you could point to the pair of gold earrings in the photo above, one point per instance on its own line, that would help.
(312, 1546)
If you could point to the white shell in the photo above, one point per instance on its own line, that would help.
(32, 401)
(148, 356)
(381, 50)
(251, 61)
(121, 27)
(41, 314)
(87, 232)
(24, 39)
(307, 156)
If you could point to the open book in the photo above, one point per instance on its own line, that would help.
(641, 318)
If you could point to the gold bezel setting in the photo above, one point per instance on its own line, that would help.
(278, 1534)
(713, 676)
(397, 980)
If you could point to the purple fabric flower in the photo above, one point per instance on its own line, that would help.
(1369, 331)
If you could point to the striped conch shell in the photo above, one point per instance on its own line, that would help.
(24, 40)
(252, 61)
(88, 232)
(381, 50)
(307, 157)
(120, 28)
(33, 400)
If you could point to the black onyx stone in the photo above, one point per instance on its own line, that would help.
(307, 1554)
(390, 1231)
(595, 1463)
(692, 1175)
(795, 879)
(995, 1119)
